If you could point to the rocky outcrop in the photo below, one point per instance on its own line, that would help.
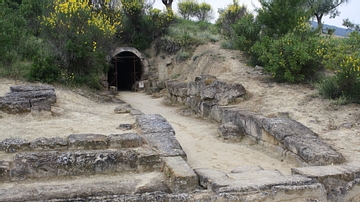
(24, 99)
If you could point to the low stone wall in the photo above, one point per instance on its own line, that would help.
(285, 135)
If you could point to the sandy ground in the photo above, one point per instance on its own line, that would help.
(73, 113)
(200, 140)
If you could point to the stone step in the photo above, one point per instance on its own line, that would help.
(180, 177)
(158, 133)
(57, 164)
(254, 181)
(77, 187)
(346, 172)
(342, 182)
(73, 142)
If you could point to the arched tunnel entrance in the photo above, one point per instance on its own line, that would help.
(126, 69)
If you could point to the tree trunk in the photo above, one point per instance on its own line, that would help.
(168, 3)
(319, 18)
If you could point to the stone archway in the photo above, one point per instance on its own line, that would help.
(129, 67)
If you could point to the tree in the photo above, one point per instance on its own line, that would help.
(350, 25)
(204, 12)
(191, 8)
(167, 3)
(322, 8)
(186, 8)
(278, 17)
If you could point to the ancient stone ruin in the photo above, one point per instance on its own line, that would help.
(150, 164)
(24, 99)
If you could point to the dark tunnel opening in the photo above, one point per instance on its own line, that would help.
(125, 70)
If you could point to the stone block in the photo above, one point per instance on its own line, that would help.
(126, 140)
(313, 150)
(47, 144)
(302, 141)
(310, 192)
(221, 91)
(284, 127)
(47, 94)
(247, 182)
(88, 141)
(87, 162)
(148, 160)
(153, 123)
(206, 108)
(31, 88)
(216, 113)
(14, 105)
(250, 122)
(212, 179)
(165, 143)
(345, 172)
(350, 192)
(180, 177)
(176, 88)
(194, 103)
(40, 104)
(230, 131)
(4, 171)
(12, 145)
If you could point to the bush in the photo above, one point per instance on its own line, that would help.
(247, 32)
(229, 16)
(79, 38)
(12, 31)
(182, 56)
(44, 70)
(290, 58)
(278, 17)
(343, 57)
(186, 34)
(142, 24)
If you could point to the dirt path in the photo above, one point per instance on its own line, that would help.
(200, 140)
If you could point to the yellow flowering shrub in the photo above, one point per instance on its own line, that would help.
(80, 35)
(229, 16)
(343, 57)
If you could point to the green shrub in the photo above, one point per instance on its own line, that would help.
(229, 16)
(328, 88)
(228, 44)
(343, 57)
(278, 17)
(182, 56)
(290, 58)
(79, 38)
(44, 70)
(12, 31)
(247, 32)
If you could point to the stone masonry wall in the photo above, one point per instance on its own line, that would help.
(207, 96)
